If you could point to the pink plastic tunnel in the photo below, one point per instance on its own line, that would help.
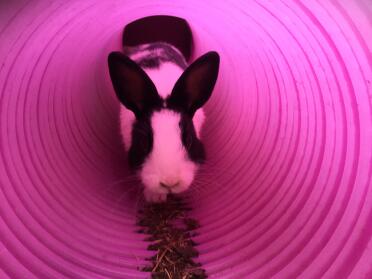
(287, 190)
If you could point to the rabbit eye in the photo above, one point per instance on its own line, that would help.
(194, 147)
(186, 138)
(141, 143)
(143, 137)
(145, 143)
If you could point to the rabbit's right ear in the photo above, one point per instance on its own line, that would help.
(132, 85)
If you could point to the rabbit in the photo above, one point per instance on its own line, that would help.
(161, 113)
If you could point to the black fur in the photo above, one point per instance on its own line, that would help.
(149, 62)
(142, 142)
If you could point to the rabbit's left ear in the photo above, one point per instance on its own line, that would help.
(132, 85)
(193, 89)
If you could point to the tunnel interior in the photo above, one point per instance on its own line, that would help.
(286, 189)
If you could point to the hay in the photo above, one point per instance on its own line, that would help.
(170, 231)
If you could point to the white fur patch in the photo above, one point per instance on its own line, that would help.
(164, 77)
(168, 162)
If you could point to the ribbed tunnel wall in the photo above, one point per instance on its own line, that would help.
(287, 189)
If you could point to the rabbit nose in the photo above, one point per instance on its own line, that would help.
(169, 183)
